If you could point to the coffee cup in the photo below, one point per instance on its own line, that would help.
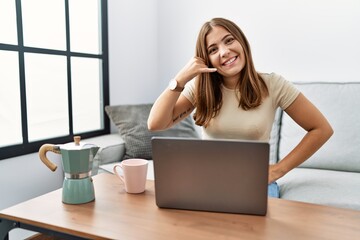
(134, 174)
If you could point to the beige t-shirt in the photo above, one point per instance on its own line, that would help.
(233, 122)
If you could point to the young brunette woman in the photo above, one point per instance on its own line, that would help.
(234, 101)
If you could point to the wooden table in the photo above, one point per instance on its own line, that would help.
(117, 215)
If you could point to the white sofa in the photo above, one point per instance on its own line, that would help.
(330, 177)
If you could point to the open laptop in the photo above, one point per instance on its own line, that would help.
(211, 175)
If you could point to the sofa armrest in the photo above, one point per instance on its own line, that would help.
(112, 149)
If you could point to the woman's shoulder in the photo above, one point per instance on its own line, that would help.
(273, 79)
(270, 76)
(281, 90)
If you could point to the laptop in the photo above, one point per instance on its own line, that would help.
(227, 176)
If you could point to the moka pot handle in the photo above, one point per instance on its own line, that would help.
(42, 154)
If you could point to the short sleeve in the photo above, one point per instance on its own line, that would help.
(189, 91)
(282, 91)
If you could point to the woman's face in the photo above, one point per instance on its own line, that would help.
(226, 54)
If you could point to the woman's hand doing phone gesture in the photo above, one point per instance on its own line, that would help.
(193, 68)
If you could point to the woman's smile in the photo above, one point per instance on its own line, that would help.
(230, 61)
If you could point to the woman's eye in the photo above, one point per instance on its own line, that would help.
(212, 50)
(229, 40)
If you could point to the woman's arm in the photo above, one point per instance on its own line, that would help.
(171, 107)
(304, 113)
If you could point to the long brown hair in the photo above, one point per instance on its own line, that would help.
(208, 96)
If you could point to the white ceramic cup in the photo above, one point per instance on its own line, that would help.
(134, 174)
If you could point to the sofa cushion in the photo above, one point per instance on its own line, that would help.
(326, 187)
(131, 121)
(338, 102)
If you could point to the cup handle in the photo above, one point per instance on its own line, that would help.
(117, 174)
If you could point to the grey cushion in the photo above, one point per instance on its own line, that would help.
(339, 103)
(131, 121)
(326, 187)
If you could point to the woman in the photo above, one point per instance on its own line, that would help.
(234, 101)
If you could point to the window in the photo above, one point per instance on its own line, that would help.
(54, 72)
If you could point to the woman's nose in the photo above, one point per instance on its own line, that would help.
(224, 51)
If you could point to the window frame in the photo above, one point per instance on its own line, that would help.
(30, 147)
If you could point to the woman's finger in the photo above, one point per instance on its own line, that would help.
(208, 70)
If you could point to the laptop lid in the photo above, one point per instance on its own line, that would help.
(211, 175)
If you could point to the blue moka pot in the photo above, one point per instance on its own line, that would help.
(77, 161)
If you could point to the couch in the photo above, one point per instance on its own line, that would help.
(330, 177)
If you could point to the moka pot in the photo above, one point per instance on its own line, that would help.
(77, 161)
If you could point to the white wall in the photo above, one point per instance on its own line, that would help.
(25, 177)
(304, 40)
(133, 50)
